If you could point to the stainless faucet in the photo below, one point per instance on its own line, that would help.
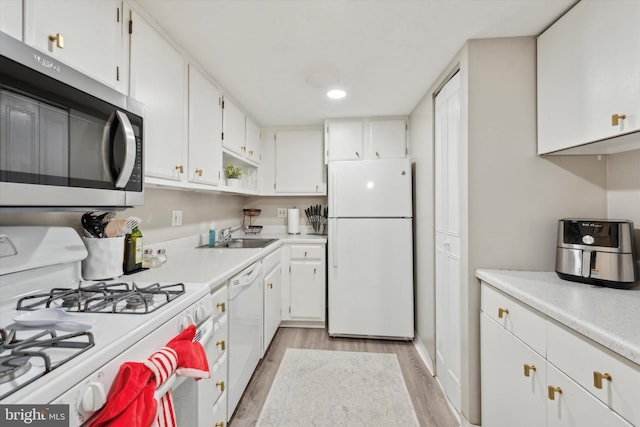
(225, 234)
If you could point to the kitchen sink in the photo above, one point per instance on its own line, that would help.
(243, 244)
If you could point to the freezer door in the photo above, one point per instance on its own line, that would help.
(371, 277)
(370, 188)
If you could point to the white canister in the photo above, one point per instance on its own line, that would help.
(105, 258)
(293, 221)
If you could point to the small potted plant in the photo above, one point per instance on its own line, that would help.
(233, 174)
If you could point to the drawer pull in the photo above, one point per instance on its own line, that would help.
(221, 385)
(220, 344)
(180, 168)
(58, 39)
(598, 377)
(502, 312)
(305, 254)
(199, 172)
(270, 285)
(528, 369)
(220, 424)
(615, 119)
(552, 392)
(221, 306)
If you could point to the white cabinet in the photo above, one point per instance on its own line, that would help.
(205, 130)
(218, 361)
(370, 138)
(587, 87)
(233, 128)
(298, 165)
(86, 35)
(513, 379)
(448, 259)
(536, 372)
(162, 89)
(252, 141)
(388, 139)
(272, 297)
(11, 18)
(304, 285)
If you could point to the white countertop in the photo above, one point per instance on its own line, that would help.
(189, 264)
(611, 317)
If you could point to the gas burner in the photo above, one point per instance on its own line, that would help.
(12, 367)
(139, 300)
(102, 297)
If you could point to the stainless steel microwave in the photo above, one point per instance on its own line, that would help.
(66, 140)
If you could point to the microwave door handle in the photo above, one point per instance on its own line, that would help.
(129, 136)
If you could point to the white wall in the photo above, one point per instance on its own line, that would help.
(511, 198)
(623, 189)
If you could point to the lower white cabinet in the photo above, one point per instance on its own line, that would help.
(272, 297)
(527, 381)
(304, 282)
(218, 358)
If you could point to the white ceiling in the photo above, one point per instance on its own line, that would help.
(277, 58)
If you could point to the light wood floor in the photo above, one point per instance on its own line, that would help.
(428, 400)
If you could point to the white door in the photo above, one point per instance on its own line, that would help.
(205, 127)
(371, 277)
(370, 188)
(299, 167)
(233, 126)
(447, 242)
(272, 305)
(344, 140)
(388, 139)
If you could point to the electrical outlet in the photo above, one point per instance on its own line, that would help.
(176, 218)
(282, 212)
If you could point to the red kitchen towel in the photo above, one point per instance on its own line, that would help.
(132, 402)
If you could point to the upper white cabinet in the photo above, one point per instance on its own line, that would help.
(298, 162)
(162, 89)
(86, 35)
(344, 140)
(233, 128)
(205, 130)
(11, 18)
(588, 85)
(252, 141)
(376, 138)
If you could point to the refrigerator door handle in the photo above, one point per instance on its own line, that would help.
(335, 244)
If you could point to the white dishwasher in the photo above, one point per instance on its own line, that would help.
(245, 330)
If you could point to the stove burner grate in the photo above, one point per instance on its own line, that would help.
(12, 367)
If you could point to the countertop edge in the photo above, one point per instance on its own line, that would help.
(542, 282)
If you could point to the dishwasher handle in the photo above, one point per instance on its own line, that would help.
(247, 277)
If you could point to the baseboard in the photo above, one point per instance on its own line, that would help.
(302, 323)
(424, 355)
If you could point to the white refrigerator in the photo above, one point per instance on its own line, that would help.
(370, 259)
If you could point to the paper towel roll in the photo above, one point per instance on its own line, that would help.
(293, 221)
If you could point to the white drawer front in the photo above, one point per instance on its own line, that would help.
(580, 358)
(307, 251)
(221, 303)
(219, 378)
(220, 411)
(515, 317)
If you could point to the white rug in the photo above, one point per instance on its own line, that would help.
(338, 388)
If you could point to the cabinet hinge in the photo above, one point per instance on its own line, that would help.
(220, 101)
(117, 14)
(406, 151)
(289, 309)
(117, 73)
(223, 136)
(130, 23)
(218, 174)
(274, 136)
(289, 269)
(327, 130)
(274, 185)
(223, 104)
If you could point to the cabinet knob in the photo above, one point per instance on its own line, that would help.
(317, 188)
(270, 286)
(199, 172)
(220, 344)
(305, 254)
(180, 168)
(615, 119)
(377, 154)
(502, 312)
(251, 152)
(220, 424)
(598, 377)
(220, 384)
(357, 154)
(528, 369)
(314, 270)
(551, 392)
(221, 306)
(244, 148)
(58, 39)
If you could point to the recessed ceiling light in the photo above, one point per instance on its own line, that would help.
(336, 94)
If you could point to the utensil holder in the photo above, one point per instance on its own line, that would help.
(104, 260)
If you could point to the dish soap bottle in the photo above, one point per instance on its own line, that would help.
(212, 235)
(136, 235)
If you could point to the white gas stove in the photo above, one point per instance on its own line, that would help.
(64, 339)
